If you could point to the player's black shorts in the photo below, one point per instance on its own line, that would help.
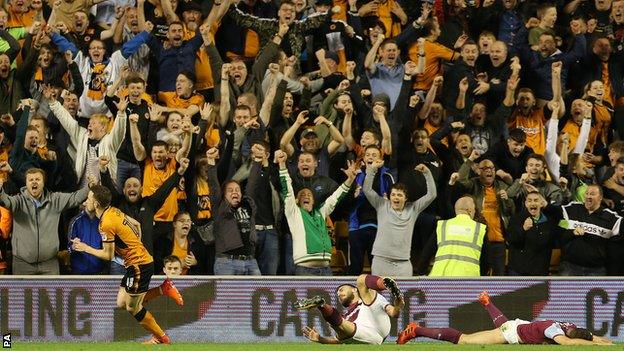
(137, 278)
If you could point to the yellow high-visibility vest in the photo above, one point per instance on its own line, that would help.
(459, 247)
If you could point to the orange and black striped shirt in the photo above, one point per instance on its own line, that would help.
(116, 227)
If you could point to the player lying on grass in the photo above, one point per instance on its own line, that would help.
(515, 331)
(366, 319)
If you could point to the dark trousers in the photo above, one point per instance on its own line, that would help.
(495, 258)
(360, 243)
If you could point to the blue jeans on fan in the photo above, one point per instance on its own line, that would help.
(289, 264)
(360, 243)
(267, 251)
(126, 170)
(317, 271)
(117, 267)
(229, 266)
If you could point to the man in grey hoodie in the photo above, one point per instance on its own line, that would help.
(36, 214)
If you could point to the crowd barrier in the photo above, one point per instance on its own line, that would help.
(230, 309)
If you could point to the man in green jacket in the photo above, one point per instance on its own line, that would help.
(312, 248)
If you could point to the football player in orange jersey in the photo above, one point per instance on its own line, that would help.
(121, 234)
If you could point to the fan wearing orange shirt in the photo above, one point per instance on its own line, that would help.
(121, 234)
(184, 100)
(434, 53)
(20, 14)
(531, 120)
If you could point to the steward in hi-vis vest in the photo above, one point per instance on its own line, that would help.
(460, 240)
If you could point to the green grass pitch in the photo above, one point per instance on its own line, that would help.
(114, 346)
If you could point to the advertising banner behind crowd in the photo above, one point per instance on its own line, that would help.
(260, 309)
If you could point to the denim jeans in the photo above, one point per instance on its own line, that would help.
(227, 266)
(117, 268)
(360, 242)
(319, 271)
(267, 251)
(289, 264)
(571, 269)
(126, 170)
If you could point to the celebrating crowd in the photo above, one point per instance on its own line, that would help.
(264, 137)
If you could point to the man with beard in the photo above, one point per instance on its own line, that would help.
(486, 130)
(366, 319)
(510, 156)
(538, 63)
(310, 142)
(534, 178)
(493, 205)
(508, 331)
(36, 215)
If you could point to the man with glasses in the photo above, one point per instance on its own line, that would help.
(492, 204)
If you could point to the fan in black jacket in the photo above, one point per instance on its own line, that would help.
(531, 236)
